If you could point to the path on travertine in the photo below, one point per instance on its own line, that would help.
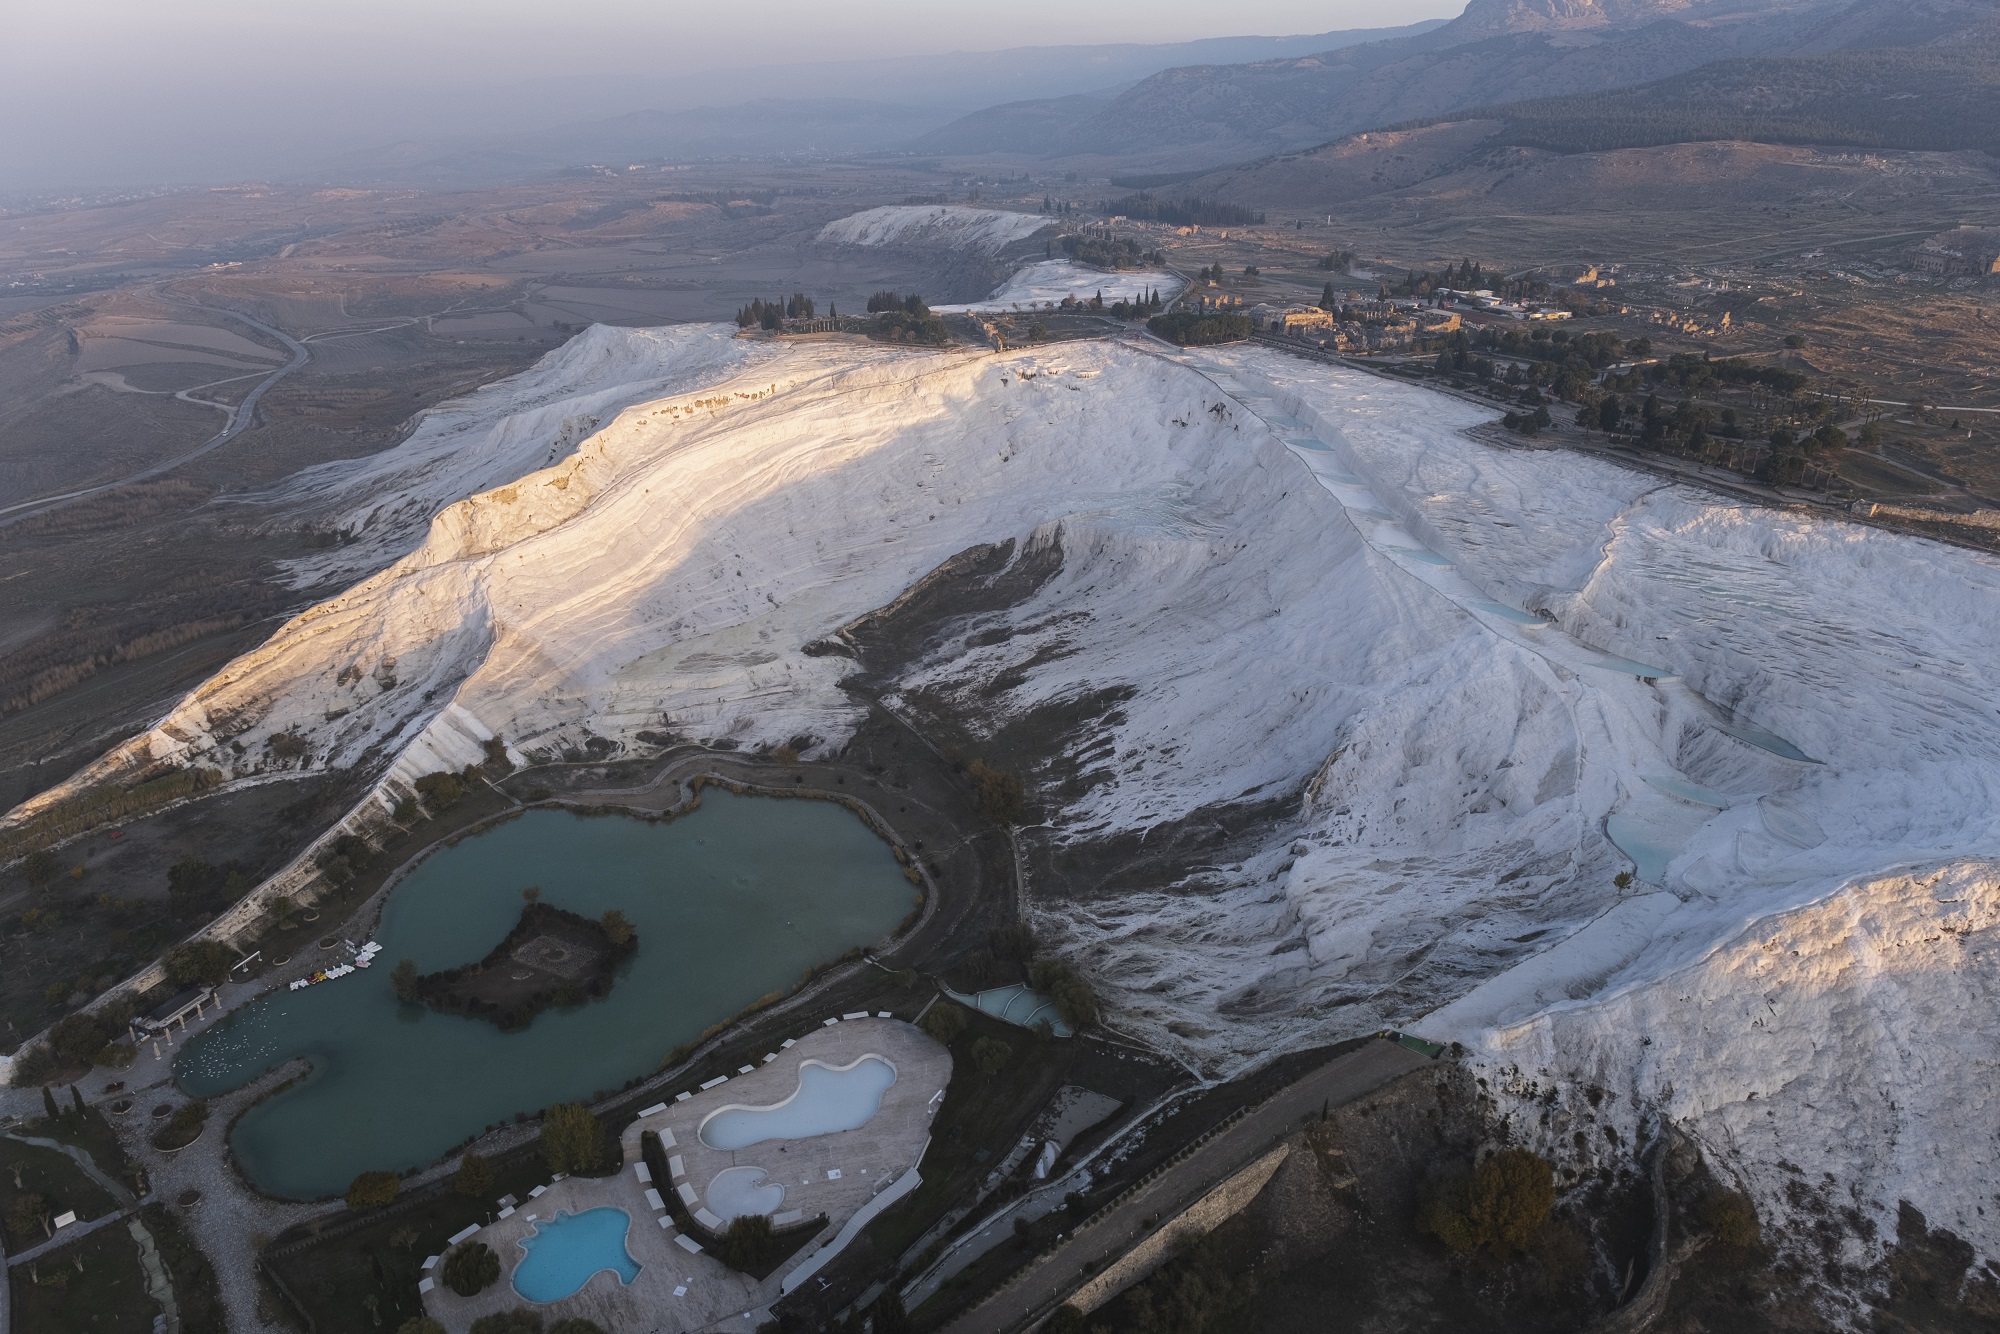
(1118, 1229)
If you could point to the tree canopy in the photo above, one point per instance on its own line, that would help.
(372, 1190)
(572, 1140)
(470, 1267)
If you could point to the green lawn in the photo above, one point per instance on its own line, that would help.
(335, 1272)
(89, 1131)
(59, 1185)
(92, 1286)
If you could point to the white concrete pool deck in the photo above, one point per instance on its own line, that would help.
(838, 1174)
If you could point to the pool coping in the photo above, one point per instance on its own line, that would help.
(797, 1089)
(873, 1166)
(560, 1214)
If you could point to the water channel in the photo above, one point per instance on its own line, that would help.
(732, 901)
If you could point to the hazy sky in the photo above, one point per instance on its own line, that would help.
(411, 35)
(118, 92)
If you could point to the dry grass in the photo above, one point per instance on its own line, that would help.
(123, 508)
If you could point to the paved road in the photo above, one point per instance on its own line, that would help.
(1124, 1225)
(239, 422)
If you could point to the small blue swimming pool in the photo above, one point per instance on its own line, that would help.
(827, 1099)
(564, 1253)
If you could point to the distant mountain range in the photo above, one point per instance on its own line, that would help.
(1497, 52)
(1938, 98)
(832, 109)
(1568, 75)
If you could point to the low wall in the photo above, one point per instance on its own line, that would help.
(1198, 1219)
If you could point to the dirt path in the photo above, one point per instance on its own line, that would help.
(158, 1286)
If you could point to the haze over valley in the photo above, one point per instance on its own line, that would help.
(1095, 675)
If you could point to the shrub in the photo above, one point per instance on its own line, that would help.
(40, 868)
(911, 327)
(200, 962)
(944, 1021)
(520, 1320)
(1441, 1208)
(403, 979)
(991, 1055)
(1073, 997)
(1066, 1320)
(999, 793)
(571, 1138)
(287, 745)
(747, 1245)
(888, 1313)
(474, 1178)
(193, 885)
(1192, 330)
(347, 856)
(33, 1065)
(617, 927)
(24, 1218)
(1513, 1194)
(440, 792)
(496, 765)
(1729, 1217)
(372, 1190)
(79, 1039)
(1015, 941)
(470, 1267)
(183, 1127)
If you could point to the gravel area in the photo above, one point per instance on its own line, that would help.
(232, 1220)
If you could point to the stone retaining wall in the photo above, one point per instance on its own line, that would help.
(1198, 1219)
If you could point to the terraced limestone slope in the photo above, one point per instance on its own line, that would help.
(1337, 717)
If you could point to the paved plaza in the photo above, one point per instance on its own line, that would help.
(847, 1175)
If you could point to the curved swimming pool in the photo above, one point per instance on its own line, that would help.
(569, 1250)
(828, 1099)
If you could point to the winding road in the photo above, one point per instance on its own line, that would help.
(240, 418)
(1136, 1215)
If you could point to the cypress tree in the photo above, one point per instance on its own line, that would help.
(49, 1103)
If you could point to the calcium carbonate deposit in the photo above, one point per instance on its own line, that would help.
(1475, 686)
(978, 231)
(1052, 280)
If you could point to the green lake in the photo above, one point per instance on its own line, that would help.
(732, 901)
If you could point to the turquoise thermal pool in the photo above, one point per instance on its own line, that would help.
(826, 1100)
(565, 1252)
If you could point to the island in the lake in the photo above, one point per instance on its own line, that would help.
(551, 957)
